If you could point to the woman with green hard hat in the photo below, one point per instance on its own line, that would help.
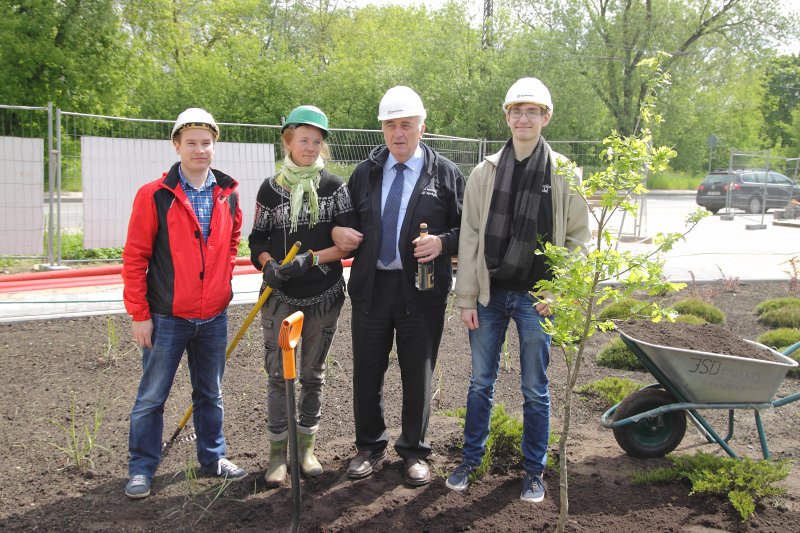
(303, 202)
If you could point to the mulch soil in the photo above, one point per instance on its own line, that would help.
(49, 366)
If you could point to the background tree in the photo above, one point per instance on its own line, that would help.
(781, 101)
(70, 53)
(607, 39)
(253, 60)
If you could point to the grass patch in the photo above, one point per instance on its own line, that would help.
(72, 249)
(672, 180)
(80, 441)
(627, 308)
(697, 307)
(691, 319)
(611, 390)
(780, 338)
(743, 481)
(783, 317)
(776, 303)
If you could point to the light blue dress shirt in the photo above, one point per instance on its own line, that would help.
(410, 177)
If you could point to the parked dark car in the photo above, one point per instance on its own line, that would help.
(746, 189)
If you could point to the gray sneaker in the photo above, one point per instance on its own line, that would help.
(224, 468)
(138, 487)
(532, 488)
(459, 479)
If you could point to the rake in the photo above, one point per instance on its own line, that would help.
(231, 347)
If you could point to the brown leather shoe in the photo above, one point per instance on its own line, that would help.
(364, 463)
(416, 472)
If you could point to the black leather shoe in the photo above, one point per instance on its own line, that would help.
(364, 463)
(416, 472)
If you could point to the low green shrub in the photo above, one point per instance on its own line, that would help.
(782, 317)
(697, 307)
(616, 354)
(611, 390)
(625, 309)
(777, 303)
(503, 447)
(743, 481)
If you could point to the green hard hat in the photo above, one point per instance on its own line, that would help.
(308, 114)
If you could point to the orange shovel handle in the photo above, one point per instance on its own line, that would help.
(289, 336)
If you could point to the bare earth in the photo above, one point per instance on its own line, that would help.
(49, 364)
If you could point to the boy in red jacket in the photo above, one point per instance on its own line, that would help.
(178, 262)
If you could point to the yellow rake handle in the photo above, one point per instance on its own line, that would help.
(247, 321)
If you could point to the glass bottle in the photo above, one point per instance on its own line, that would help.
(424, 270)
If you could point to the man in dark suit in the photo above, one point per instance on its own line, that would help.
(402, 184)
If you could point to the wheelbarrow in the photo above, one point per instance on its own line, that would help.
(651, 422)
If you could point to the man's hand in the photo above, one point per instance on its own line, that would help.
(470, 318)
(297, 266)
(427, 248)
(543, 308)
(272, 276)
(346, 239)
(143, 332)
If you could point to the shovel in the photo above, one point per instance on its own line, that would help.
(232, 346)
(291, 328)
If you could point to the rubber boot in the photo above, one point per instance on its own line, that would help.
(276, 472)
(309, 466)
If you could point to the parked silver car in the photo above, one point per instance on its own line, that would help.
(748, 189)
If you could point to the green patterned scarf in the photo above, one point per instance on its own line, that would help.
(301, 181)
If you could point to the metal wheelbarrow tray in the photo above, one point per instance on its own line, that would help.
(652, 421)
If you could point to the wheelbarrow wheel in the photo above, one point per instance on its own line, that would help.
(654, 436)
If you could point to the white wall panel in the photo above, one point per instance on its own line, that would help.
(22, 221)
(114, 169)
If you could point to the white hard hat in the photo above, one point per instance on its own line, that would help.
(399, 102)
(194, 117)
(528, 91)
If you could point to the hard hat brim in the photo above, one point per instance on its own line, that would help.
(196, 125)
(324, 131)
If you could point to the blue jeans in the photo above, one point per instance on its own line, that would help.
(486, 342)
(205, 345)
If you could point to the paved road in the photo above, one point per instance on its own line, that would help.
(713, 250)
(718, 248)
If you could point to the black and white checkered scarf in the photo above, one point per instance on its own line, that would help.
(511, 229)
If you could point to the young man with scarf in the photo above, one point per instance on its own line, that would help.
(514, 202)
(302, 203)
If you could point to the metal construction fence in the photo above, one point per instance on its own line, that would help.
(73, 176)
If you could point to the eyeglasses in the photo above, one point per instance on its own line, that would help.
(532, 113)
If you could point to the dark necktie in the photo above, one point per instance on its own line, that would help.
(391, 212)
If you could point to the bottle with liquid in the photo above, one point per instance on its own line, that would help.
(424, 270)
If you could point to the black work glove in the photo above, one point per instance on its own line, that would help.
(272, 276)
(297, 266)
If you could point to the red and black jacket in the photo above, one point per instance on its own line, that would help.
(167, 268)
